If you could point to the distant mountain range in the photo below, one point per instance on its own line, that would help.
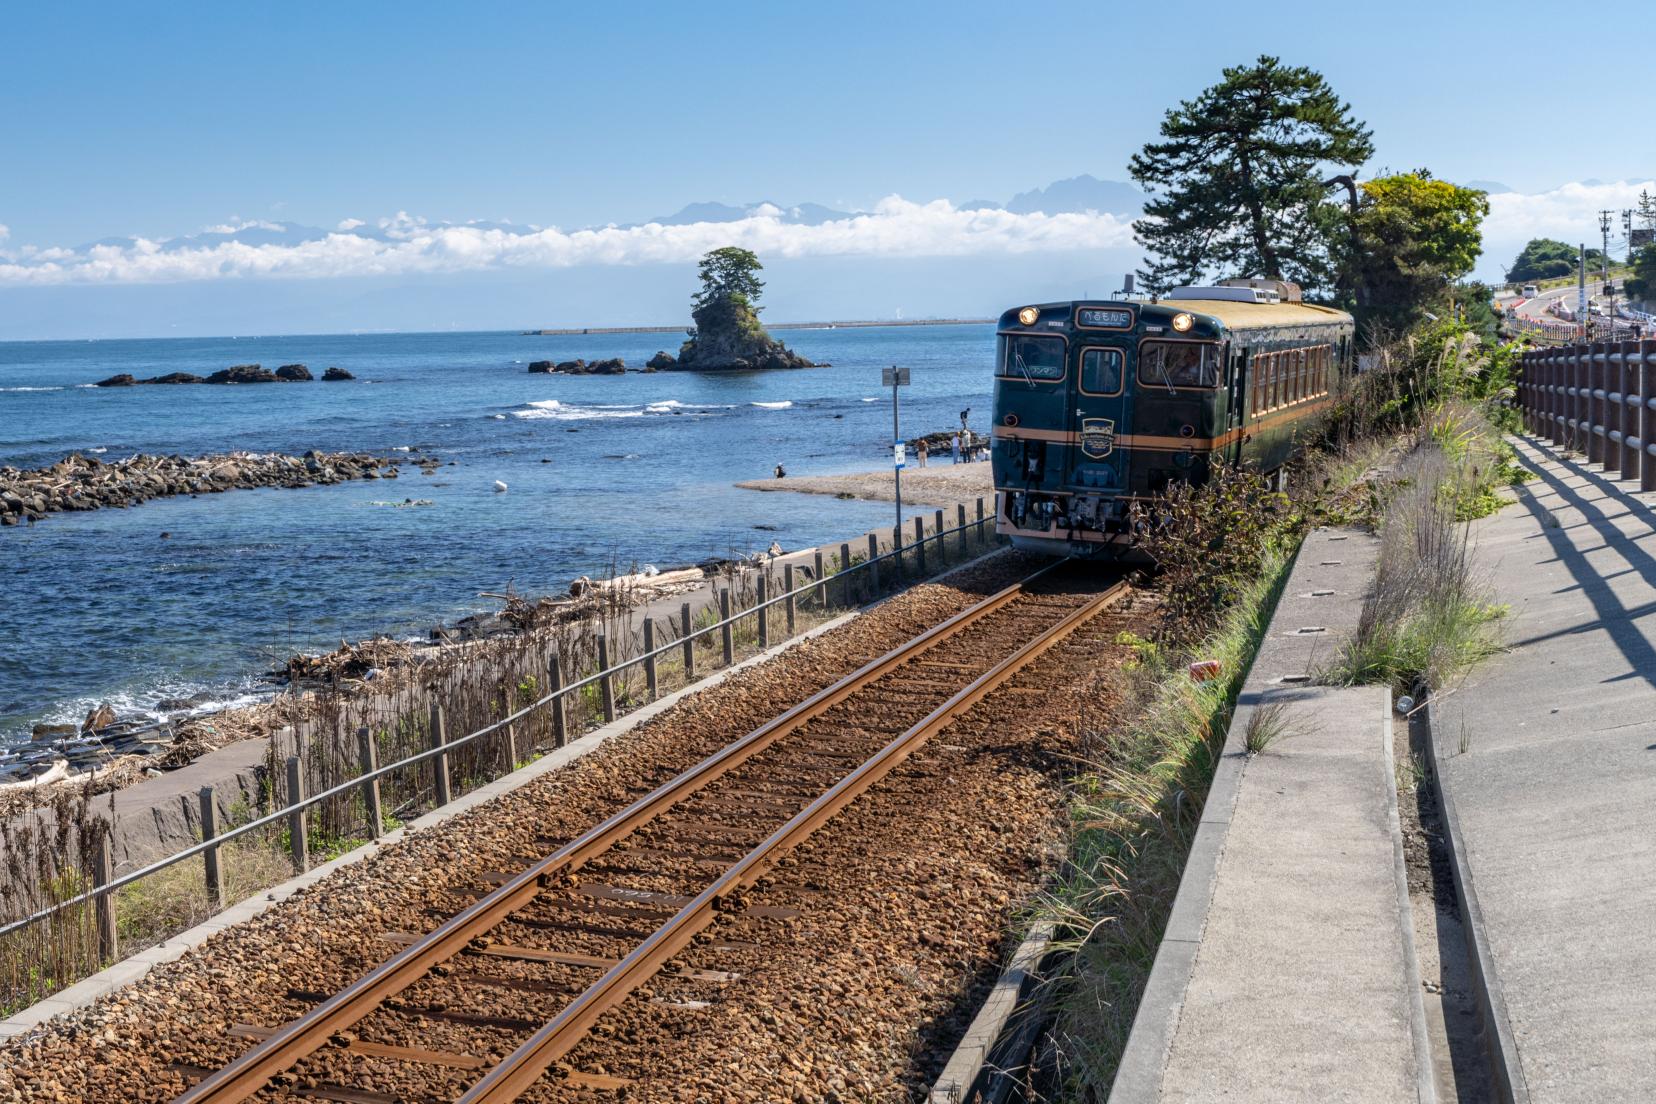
(1077, 195)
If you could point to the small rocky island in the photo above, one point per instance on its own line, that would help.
(728, 336)
(86, 483)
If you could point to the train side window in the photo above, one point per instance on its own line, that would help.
(1027, 356)
(1101, 371)
(1302, 365)
(1273, 397)
(1178, 364)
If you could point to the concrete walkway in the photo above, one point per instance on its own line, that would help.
(1287, 972)
(1548, 757)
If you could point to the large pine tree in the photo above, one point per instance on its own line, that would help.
(1237, 182)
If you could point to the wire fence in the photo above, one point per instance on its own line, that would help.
(80, 881)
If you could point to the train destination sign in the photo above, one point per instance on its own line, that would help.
(1107, 318)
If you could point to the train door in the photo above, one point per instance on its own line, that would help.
(1099, 415)
(1236, 403)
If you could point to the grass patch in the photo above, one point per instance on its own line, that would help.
(1266, 725)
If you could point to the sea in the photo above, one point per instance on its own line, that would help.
(603, 473)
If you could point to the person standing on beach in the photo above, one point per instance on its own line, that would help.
(921, 452)
(954, 447)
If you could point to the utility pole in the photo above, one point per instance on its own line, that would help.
(1627, 225)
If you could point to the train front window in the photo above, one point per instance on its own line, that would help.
(1027, 357)
(1178, 364)
(1101, 371)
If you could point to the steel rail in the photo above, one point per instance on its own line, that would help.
(249, 1073)
(516, 1073)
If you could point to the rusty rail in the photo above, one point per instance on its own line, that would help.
(1598, 399)
(284, 1047)
(524, 1066)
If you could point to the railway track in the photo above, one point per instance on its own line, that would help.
(482, 1007)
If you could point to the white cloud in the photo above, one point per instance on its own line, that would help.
(350, 224)
(896, 227)
(5, 231)
(1569, 213)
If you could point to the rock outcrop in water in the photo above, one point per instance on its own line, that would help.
(615, 366)
(239, 373)
(86, 483)
(728, 335)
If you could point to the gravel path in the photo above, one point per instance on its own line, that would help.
(853, 991)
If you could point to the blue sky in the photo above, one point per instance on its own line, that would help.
(160, 120)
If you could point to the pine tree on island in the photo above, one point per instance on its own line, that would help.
(727, 334)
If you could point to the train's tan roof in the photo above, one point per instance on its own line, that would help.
(1234, 313)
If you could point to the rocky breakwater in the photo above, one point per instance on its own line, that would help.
(86, 483)
(236, 373)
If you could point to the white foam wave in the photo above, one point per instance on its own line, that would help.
(874, 399)
(399, 448)
(566, 412)
(31, 389)
(78, 386)
(100, 451)
(783, 405)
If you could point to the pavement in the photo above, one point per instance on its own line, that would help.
(1548, 756)
(1288, 970)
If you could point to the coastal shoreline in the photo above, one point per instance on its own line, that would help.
(940, 483)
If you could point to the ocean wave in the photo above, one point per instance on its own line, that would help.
(31, 389)
(99, 451)
(783, 405)
(79, 386)
(141, 704)
(558, 410)
(874, 399)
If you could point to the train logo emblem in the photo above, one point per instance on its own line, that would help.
(1097, 437)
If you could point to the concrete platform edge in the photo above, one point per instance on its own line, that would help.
(1139, 1073)
(1425, 1081)
(1498, 1036)
(134, 967)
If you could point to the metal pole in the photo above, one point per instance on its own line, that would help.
(689, 644)
(210, 857)
(724, 616)
(649, 658)
(762, 610)
(788, 586)
(896, 439)
(821, 586)
(103, 872)
(368, 756)
(297, 842)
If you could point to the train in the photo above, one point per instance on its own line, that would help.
(1101, 403)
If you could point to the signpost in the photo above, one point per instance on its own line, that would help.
(895, 377)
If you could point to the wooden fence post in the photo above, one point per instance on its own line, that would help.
(650, 682)
(1627, 459)
(368, 758)
(960, 523)
(788, 587)
(725, 632)
(1596, 361)
(440, 762)
(511, 748)
(873, 569)
(941, 542)
(689, 644)
(606, 681)
(1647, 420)
(920, 547)
(1616, 451)
(821, 581)
(763, 611)
(980, 519)
(298, 844)
(1555, 405)
(898, 567)
(560, 715)
(210, 857)
(103, 872)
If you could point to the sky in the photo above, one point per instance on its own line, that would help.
(159, 121)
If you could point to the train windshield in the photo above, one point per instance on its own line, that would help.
(1024, 356)
(1178, 364)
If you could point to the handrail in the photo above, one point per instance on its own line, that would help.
(450, 745)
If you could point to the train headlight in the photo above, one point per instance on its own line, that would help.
(1182, 322)
(1028, 316)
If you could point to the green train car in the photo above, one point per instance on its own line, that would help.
(1101, 403)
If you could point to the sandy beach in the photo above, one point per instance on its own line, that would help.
(941, 484)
